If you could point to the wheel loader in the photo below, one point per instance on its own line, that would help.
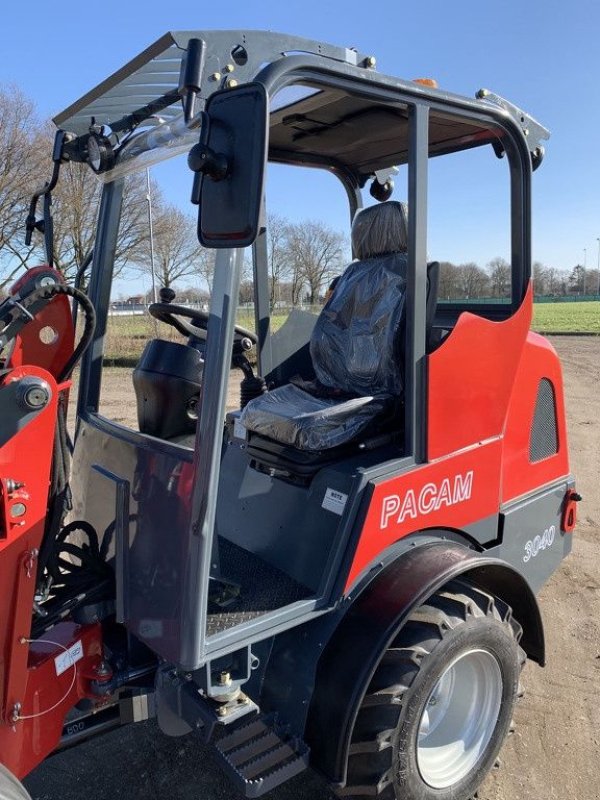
(340, 573)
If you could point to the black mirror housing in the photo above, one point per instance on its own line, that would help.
(230, 197)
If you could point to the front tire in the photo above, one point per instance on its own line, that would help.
(10, 787)
(440, 703)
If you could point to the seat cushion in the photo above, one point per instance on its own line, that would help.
(292, 416)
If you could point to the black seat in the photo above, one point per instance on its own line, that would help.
(357, 350)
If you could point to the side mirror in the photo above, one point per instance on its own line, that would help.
(229, 162)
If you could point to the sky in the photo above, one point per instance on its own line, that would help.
(542, 56)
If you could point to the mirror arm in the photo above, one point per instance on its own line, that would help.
(203, 160)
(190, 76)
(45, 225)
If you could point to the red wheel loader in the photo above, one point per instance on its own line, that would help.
(342, 572)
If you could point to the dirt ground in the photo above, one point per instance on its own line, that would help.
(555, 752)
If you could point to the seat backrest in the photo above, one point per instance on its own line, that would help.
(354, 345)
(357, 345)
(433, 283)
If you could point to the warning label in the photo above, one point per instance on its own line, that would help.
(334, 501)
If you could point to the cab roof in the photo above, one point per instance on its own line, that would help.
(324, 125)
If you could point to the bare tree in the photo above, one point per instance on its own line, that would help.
(448, 282)
(76, 202)
(592, 277)
(576, 281)
(315, 253)
(26, 147)
(540, 279)
(499, 271)
(474, 281)
(278, 255)
(19, 175)
(177, 253)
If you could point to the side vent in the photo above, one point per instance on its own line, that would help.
(543, 441)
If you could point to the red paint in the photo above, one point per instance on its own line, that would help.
(55, 316)
(26, 742)
(569, 515)
(482, 391)
(471, 379)
(26, 459)
(483, 460)
(520, 476)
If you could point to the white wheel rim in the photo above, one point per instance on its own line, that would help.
(459, 718)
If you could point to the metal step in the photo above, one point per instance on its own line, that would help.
(261, 755)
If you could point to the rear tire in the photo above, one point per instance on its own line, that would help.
(440, 703)
(10, 787)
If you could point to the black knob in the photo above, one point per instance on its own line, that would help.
(166, 295)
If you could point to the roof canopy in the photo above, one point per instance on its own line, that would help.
(329, 126)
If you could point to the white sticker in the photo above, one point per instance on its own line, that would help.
(334, 501)
(239, 430)
(69, 657)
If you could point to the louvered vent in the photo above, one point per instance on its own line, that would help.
(544, 432)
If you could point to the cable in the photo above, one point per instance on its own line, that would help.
(20, 717)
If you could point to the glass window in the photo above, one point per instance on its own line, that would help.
(469, 226)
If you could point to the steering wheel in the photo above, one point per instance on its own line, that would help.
(171, 314)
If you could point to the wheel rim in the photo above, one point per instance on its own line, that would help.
(459, 718)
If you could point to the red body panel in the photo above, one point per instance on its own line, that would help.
(471, 379)
(52, 351)
(482, 390)
(431, 497)
(519, 475)
(25, 458)
(48, 696)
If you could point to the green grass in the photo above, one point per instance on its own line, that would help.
(126, 336)
(568, 317)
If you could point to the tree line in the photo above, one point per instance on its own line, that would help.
(303, 257)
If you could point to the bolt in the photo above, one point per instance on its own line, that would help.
(228, 68)
(12, 485)
(231, 83)
(225, 679)
(15, 713)
(370, 61)
(432, 701)
(216, 76)
(188, 676)
(103, 669)
(222, 711)
(18, 510)
(33, 394)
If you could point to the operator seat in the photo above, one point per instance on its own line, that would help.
(357, 346)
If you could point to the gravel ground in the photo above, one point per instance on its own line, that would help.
(555, 753)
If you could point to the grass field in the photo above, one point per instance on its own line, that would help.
(576, 317)
(126, 336)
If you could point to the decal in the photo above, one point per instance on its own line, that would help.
(334, 501)
(431, 497)
(535, 546)
(69, 658)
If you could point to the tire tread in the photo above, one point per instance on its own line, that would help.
(371, 752)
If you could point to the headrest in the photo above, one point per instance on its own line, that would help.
(379, 230)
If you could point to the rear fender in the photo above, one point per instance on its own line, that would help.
(373, 620)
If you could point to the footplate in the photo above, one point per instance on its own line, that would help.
(261, 755)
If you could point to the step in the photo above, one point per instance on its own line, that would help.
(261, 755)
